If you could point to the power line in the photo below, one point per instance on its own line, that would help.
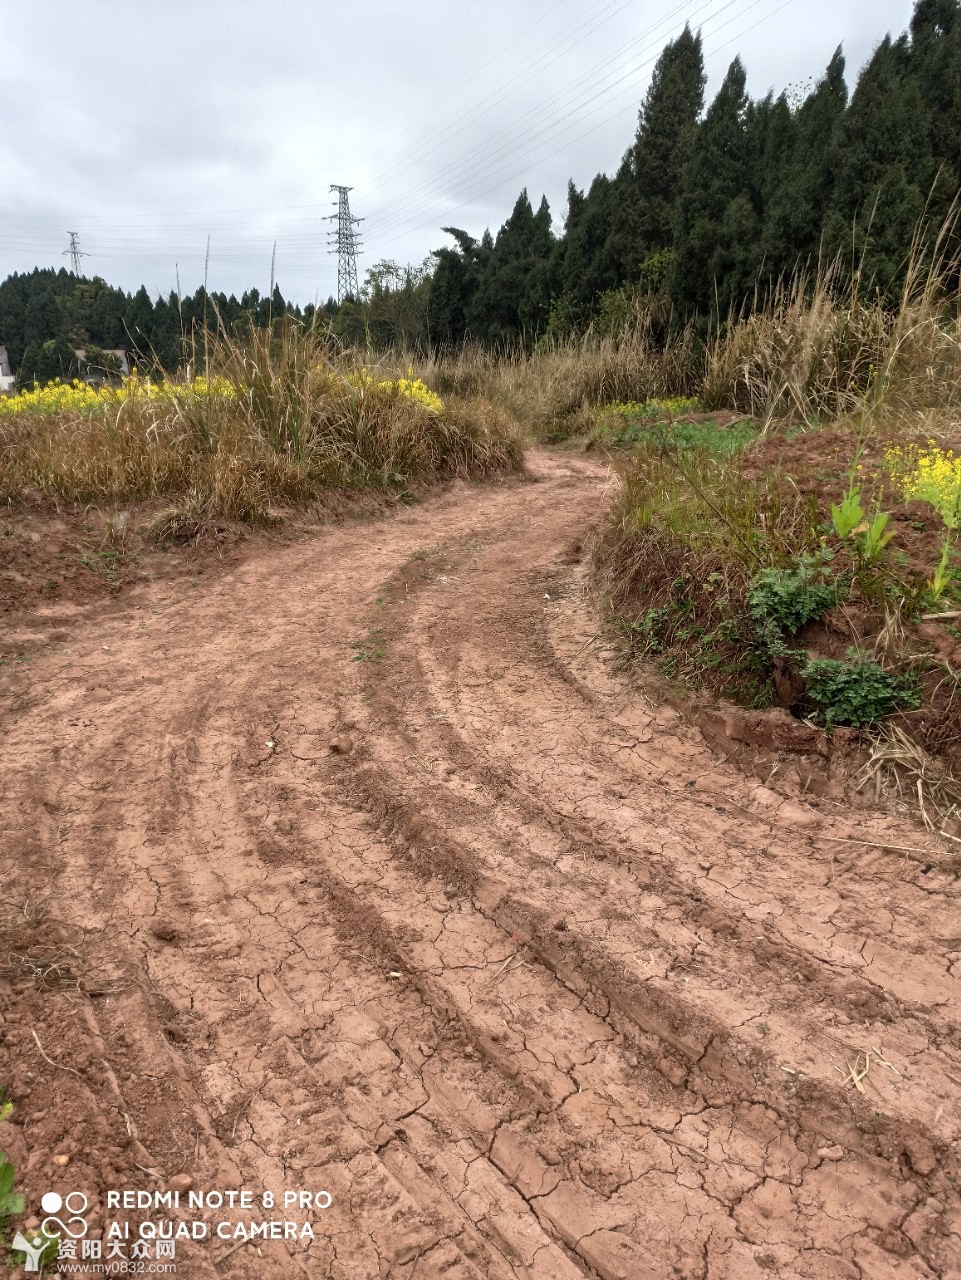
(346, 242)
(509, 87)
(407, 223)
(497, 153)
(583, 91)
(75, 253)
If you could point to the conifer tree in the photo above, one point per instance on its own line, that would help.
(590, 262)
(800, 201)
(716, 223)
(511, 301)
(882, 164)
(650, 177)
(935, 69)
(456, 279)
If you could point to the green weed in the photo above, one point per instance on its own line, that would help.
(785, 600)
(856, 691)
(373, 649)
(11, 1202)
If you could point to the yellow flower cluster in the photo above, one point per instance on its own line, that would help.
(929, 475)
(55, 397)
(672, 407)
(78, 397)
(417, 389)
(413, 388)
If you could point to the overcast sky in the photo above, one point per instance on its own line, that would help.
(148, 126)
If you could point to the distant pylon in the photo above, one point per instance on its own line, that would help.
(346, 244)
(74, 253)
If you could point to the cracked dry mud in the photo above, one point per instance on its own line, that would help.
(372, 876)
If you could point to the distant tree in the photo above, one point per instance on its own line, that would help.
(46, 361)
(716, 221)
(591, 265)
(42, 317)
(649, 181)
(512, 301)
(397, 300)
(799, 200)
(456, 279)
(935, 69)
(350, 323)
(882, 163)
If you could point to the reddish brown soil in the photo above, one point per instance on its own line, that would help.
(819, 465)
(54, 560)
(360, 870)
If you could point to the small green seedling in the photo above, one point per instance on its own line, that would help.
(874, 536)
(849, 516)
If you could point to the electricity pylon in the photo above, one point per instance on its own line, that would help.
(74, 253)
(346, 244)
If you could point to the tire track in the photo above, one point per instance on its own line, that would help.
(465, 933)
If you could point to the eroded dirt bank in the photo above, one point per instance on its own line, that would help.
(362, 872)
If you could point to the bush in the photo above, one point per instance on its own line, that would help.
(856, 691)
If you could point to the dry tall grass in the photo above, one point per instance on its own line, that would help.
(819, 346)
(824, 347)
(302, 417)
(550, 388)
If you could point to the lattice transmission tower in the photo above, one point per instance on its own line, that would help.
(75, 253)
(346, 243)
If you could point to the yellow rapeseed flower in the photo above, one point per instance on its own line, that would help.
(929, 475)
(672, 407)
(77, 397)
(413, 388)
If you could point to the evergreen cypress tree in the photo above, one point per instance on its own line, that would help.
(512, 300)
(454, 286)
(771, 131)
(800, 201)
(42, 316)
(12, 319)
(590, 260)
(716, 223)
(935, 69)
(882, 163)
(667, 123)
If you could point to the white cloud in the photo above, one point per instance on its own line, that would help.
(149, 127)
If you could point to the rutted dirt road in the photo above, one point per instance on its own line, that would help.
(363, 873)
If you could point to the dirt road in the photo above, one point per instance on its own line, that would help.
(362, 872)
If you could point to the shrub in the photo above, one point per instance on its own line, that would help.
(856, 691)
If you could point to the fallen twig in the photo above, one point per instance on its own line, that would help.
(872, 844)
(233, 1249)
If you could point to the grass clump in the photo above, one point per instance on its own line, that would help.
(706, 435)
(554, 388)
(687, 541)
(278, 418)
(730, 580)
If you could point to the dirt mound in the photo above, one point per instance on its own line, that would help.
(380, 882)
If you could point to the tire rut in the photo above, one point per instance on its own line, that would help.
(465, 933)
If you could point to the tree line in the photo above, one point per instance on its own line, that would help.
(709, 207)
(711, 204)
(46, 315)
